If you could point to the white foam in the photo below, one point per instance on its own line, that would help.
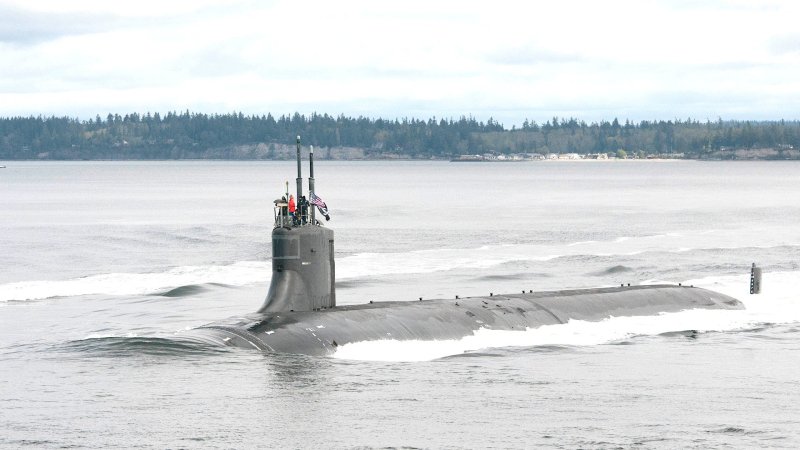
(778, 303)
(94, 336)
(377, 264)
(581, 243)
(238, 274)
(435, 260)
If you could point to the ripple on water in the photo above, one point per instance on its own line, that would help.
(129, 346)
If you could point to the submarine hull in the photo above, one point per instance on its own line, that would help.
(300, 314)
(321, 332)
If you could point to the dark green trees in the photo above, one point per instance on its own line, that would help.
(197, 135)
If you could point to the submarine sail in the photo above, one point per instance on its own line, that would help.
(299, 314)
(303, 272)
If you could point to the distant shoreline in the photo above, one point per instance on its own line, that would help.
(582, 160)
(235, 136)
(7, 162)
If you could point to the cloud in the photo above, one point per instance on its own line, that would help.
(24, 27)
(529, 55)
(785, 44)
(511, 61)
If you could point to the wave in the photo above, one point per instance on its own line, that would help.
(779, 303)
(355, 283)
(238, 274)
(581, 243)
(612, 270)
(691, 334)
(436, 260)
(507, 277)
(370, 265)
(573, 333)
(184, 291)
(120, 346)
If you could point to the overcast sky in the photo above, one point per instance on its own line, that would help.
(592, 60)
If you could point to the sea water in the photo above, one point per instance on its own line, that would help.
(104, 264)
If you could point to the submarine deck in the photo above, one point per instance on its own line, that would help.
(320, 332)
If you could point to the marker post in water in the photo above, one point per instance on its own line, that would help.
(755, 279)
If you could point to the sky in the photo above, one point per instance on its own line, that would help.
(508, 60)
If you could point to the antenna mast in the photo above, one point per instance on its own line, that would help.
(311, 181)
(299, 175)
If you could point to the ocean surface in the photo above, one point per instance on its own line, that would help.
(103, 265)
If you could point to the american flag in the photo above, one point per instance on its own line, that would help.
(321, 206)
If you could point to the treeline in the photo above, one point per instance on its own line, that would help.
(195, 135)
(692, 138)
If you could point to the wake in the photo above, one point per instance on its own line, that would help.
(377, 264)
(778, 303)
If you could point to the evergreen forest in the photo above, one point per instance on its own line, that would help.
(190, 135)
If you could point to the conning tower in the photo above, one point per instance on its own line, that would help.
(303, 270)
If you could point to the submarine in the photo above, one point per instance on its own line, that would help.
(299, 314)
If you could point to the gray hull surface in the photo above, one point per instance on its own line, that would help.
(321, 332)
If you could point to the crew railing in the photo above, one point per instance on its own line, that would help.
(284, 218)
